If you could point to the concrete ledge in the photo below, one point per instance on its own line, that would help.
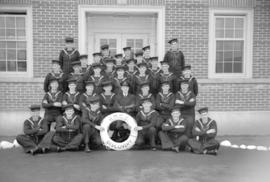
(229, 123)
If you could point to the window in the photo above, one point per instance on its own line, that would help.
(15, 58)
(230, 48)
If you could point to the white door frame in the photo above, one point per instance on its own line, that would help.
(82, 25)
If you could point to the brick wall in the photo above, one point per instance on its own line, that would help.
(261, 40)
(185, 19)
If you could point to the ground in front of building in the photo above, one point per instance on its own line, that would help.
(230, 165)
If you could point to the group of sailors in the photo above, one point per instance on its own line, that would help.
(160, 95)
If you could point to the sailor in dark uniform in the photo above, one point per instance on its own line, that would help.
(68, 55)
(175, 58)
(118, 59)
(84, 62)
(127, 54)
(204, 133)
(55, 73)
(34, 129)
(146, 54)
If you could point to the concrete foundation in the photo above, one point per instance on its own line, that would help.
(229, 123)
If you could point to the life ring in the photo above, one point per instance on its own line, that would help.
(108, 142)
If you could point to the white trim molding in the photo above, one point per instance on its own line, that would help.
(29, 38)
(248, 42)
(82, 25)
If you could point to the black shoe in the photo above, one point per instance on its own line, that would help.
(34, 151)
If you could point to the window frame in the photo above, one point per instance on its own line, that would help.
(29, 41)
(248, 43)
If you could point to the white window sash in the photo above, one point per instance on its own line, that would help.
(247, 37)
(28, 39)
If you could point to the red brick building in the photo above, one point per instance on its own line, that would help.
(226, 42)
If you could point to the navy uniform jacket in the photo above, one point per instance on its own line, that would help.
(98, 81)
(79, 82)
(35, 128)
(171, 78)
(139, 80)
(68, 128)
(169, 126)
(165, 103)
(189, 102)
(125, 104)
(155, 85)
(192, 82)
(84, 100)
(71, 98)
(107, 101)
(139, 100)
(203, 128)
(49, 99)
(66, 58)
(147, 120)
(92, 117)
(176, 61)
(131, 78)
(117, 84)
(51, 75)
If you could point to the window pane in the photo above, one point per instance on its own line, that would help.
(22, 66)
(219, 68)
(238, 56)
(103, 41)
(238, 45)
(11, 54)
(10, 22)
(130, 43)
(229, 33)
(227, 67)
(10, 33)
(229, 23)
(21, 54)
(219, 23)
(237, 68)
(2, 33)
(228, 45)
(2, 54)
(20, 32)
(11, 44)
(239, 23)
(21, 45)
(2, 22)
(228, 56)
(220, 33)
(2, 44)
(139, 43)
(239, 33)
(20, 22)
(2, 65)
(11, 65)
(112, 43)
(219, 45)
(219, 57)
